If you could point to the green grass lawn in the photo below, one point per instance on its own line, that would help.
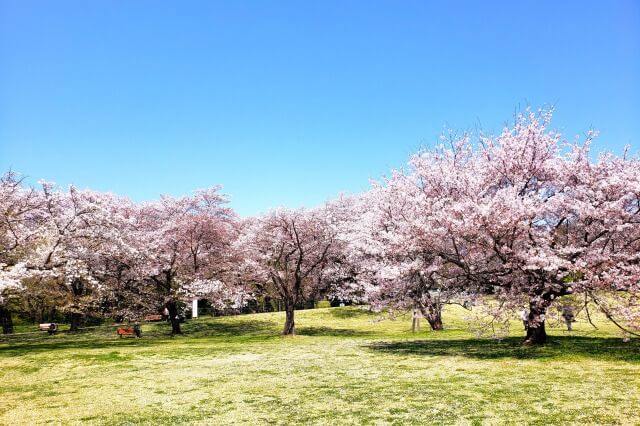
(342, 368)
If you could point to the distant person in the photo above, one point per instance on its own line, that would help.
(569, 317)
(137, 330)
(165, 314)
(53, 328)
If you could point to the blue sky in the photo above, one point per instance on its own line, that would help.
(290, 103)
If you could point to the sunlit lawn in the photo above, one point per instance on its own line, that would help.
(342, 368)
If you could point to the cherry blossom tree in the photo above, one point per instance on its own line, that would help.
(516, 215)
(49, 239)
(350, 276)
(17, 206)
(77, 229)
(485, 210)
(409, 272)
(285, 252)
(184, 240)
(600, 233)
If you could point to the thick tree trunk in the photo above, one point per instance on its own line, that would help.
(433, 315)
(289, 323)
(435, 321)
(172, 307)
(536, 333)
(5, 319)
(75, 322)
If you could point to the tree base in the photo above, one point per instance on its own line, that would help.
(535, 336)
(289, 324)
(436, 325)
(5, 319)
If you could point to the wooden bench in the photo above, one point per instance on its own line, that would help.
(127, 331)
(152, 318)
(51, 328)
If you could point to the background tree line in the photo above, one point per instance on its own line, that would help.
(507, 222)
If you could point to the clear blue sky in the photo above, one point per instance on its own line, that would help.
(290, 103)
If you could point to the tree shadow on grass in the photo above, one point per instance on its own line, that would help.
(214, 331)
(231, 328)
(195, 331)
(328, 331)
(599, 348)
(25, 347)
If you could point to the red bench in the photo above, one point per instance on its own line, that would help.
(152, 318)
(127, 331)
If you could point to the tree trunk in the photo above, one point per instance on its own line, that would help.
(5, 319)
(75, 322)
(536, 333)
(435, 321)
(289, 324)
(433, 315)
(172, 306)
